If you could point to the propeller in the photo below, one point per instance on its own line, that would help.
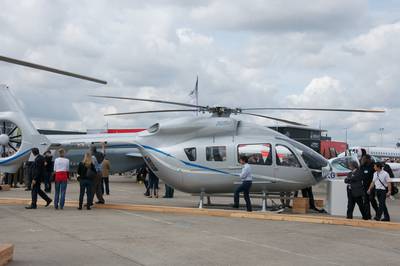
(315, 109)
(10, 138)
(274, 118)
(150, 100)
(153, 111)
(49, 69)
(226, 111)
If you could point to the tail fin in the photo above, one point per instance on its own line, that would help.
(17, 133)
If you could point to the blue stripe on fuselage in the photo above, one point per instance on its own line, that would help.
(14, 157)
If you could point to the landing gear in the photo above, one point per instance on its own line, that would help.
(201, 200)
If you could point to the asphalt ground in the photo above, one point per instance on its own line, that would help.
(112, 237)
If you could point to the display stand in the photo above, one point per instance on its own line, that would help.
(337, 198)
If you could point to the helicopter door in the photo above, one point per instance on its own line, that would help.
(287, 164)
(260, 158)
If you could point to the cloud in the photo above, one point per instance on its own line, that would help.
(247, 54)
(284, 15)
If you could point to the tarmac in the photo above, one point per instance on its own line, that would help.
(117, 237)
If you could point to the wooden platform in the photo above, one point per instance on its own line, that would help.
(6, 253)
(306, 218)
(5, 187)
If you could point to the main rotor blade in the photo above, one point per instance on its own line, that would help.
(150, 100)
(49, 69)
(316, 109)
(154, 111)
(274, 118)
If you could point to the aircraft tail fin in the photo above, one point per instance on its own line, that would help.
(17, 133)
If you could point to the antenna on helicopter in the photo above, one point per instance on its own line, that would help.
(219, 111)
(49, 69)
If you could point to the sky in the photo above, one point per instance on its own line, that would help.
(328, 54)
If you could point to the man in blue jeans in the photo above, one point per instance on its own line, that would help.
(247, 180)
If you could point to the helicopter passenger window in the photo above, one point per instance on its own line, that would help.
(191, 153)
(257, 153)
(285, 157)
(216, 153)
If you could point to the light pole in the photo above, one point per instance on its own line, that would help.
(381, 131)
(347, 145)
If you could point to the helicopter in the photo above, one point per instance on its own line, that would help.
(197, 154)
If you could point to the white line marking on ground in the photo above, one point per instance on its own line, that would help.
(147, 217)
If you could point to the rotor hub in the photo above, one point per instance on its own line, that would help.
(4, 139)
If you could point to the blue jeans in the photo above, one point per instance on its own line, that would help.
(245, 188)
(60, 187)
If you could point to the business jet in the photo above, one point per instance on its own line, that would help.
(379, 152)
(192, 154)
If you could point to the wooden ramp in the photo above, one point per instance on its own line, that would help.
(6, 253)
(310, 218)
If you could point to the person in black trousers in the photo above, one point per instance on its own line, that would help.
(247, 180)
(355, 191)
(169, 192)
(86, 175)
(48, 162)
(367, 173)
(38, 172)
(383, 187)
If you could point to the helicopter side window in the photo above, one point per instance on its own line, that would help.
(285, 157)
(216, 153)
(257, 153)
(191, 153)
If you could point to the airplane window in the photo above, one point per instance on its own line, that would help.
(191, 153)
(216, 153)
(285, 157)
(257, 153)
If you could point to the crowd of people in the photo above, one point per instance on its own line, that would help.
(93, 177)
(151, 181)
(366, 183)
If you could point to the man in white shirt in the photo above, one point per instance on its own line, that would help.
(247, 180)
(381, 183)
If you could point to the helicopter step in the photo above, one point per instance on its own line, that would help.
(265, 195)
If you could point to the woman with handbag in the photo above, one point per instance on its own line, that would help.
(383, 188)
(86, 175)
(355, 191)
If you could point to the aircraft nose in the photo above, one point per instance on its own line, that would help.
(327, 172)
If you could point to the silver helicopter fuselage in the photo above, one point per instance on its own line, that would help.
(163, 145)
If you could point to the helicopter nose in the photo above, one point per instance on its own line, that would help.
(327, 172)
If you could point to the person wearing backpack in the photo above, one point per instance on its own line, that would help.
(86, 175)
(383, 189)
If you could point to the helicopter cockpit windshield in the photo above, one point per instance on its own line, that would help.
(314, 160)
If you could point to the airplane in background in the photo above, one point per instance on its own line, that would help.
(379, 152)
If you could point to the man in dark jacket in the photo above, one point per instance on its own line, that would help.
(355, 191)
(367, 173)
(49, 165)
(38, 172)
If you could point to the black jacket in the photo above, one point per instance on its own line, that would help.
(367, 173)
(355, 180)
(82, 171)
(38, 169)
